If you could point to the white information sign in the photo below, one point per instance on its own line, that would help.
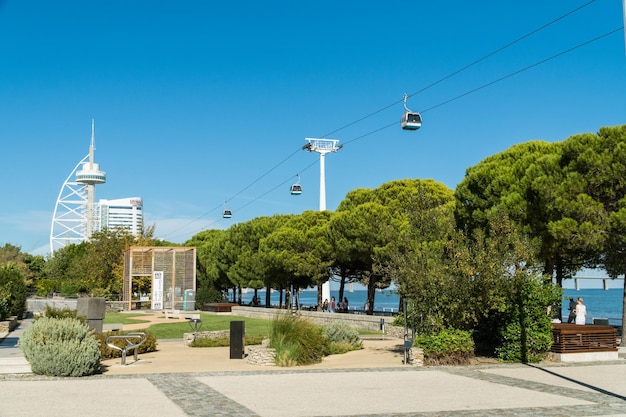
(157, 290)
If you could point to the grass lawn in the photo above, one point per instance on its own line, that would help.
(254, 327)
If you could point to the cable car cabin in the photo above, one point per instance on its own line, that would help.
(296, 189)
(227, 214)
(411, 121)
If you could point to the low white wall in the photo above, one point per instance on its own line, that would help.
(38, 305)
(587, 356)
(357, 321)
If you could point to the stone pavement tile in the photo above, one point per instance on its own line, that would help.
(378, 392)
(79, 397)
(392, 392)
(196, 399)
(175, 356)
(14, 365)
(608, 378)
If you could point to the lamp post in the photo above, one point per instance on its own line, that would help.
(323, 146)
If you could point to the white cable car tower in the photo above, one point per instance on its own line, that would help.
(75, 215)
(323, 146)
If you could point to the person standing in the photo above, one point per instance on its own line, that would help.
(572, 310)
(581, 312)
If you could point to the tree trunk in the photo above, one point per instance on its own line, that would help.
(371, 294)
(268, 295)
(318, 307)
(342, 284)
(559, 282)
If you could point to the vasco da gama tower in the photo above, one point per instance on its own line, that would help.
(76, 214)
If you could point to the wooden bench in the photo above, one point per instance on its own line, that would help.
(218, 307)
(573, 338)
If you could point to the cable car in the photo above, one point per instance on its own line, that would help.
(227, 214)
(296, 189)
(410, 120)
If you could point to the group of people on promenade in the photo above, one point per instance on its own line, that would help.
(577, 311)
(335, 307)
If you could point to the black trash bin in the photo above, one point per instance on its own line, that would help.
(237, 339)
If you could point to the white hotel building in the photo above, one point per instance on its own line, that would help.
(124, 213)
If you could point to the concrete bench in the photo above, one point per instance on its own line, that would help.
(112, 327)
(177, 314)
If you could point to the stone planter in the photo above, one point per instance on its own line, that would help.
(8, 325)
(190, 337)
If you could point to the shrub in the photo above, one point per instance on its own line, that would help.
(61, 313)
(13, 290)
(46, 287)
(70, 289)
(60, 347)
(342, 337)
(206, 295)
(4, 309)
(447, 347)
(529, 345)
(527, 334)
(150, 344)
(297, 341)
(223, 341)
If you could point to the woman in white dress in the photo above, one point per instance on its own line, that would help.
(581, 312)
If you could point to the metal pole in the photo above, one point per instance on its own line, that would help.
(406, 331)
(323, 181)
(322, 146)
(624, 13)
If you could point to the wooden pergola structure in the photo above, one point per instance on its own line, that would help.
(175, 270)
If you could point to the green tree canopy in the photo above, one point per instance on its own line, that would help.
(302, 247)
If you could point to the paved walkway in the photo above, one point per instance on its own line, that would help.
(181, 381)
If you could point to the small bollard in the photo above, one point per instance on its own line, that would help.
(237, 339)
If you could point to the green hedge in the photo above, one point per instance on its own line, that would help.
(60, 347)
(61, 313)
(447, 347)
(13, 292)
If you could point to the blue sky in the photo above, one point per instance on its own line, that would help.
(197, 103)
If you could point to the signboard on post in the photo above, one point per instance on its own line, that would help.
(157, 290)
